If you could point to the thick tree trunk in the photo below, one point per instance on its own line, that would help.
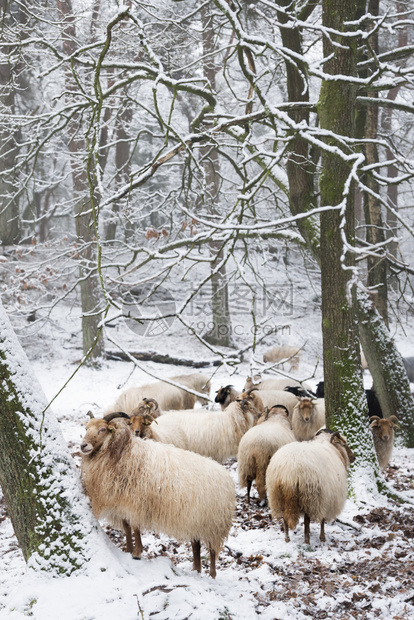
(346, 406)
(49, 513)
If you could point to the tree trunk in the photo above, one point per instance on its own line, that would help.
(49, 513)
(9, 205)
(300, 168)
(221, 331)
(346, 406)
(89, 283)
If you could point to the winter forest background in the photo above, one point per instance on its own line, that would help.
(190, 183)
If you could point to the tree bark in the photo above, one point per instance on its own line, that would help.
(9, 204)
(89, 283)
(221, 331)
(49, 513)
(346, 406)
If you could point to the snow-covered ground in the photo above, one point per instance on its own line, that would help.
(364, 570)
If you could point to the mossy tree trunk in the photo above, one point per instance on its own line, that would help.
(49, 513)
(346, 406)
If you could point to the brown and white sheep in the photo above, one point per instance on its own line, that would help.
(383, 436)
(283, 354)
(309, 478)
(307, 418)
(154, 486)
(260, 398)
(258, 445)
(168, 396)
(143, 423)
(215, 434)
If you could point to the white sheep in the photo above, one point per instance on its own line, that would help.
(215, 434)
(272, 383)
(154, 486)
(168, 396)
(258, 445)
(283, 354)
(307, 418)
(309, 478)
(383, 436)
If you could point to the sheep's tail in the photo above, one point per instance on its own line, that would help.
(291, 510)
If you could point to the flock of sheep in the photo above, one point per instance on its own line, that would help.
(153, 462)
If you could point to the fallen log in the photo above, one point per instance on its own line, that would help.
(159, 358)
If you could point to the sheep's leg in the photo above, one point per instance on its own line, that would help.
(136, 554)
(249, 486)
(286, 530)
(212, 563)
(307, 529)
(322, 534)
(128, 534)
(196, 555)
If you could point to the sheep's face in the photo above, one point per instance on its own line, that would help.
(96, 432)
(224, 396)
(139, 425)
(306, 409)
(383, 428)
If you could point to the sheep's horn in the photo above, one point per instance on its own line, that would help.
(151, 401)
(148, 416)
(90, 414)
(281, 407)
(393, 418)
(374, 417)
(335, 435)
(119, 414)
(250, 390)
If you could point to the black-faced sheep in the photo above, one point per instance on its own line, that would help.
(309, 478)
(283, 354)
(307, 418)
(383, 436)
(168, 396)
(259, 398)
(215, 434)
(226, 395)
(153, 486)
(258, 445)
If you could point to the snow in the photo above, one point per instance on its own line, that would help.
(364, 570)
